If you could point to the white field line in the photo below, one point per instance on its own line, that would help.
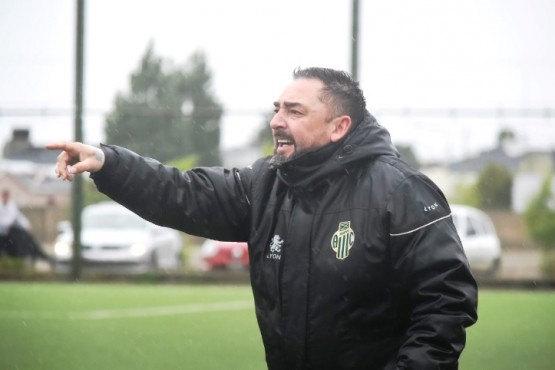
(128, 313)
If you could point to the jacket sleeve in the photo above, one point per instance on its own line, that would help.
(209, 202)
(432, 276)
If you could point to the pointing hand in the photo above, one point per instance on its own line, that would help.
(76, 158)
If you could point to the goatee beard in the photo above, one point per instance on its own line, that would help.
(278, 160)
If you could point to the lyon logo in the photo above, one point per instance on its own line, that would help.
(343, 240)
(275, 248)
(275, 244)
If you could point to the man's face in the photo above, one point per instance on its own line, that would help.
(300, 121)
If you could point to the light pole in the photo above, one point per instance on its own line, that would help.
(354, 39)
(77, 189)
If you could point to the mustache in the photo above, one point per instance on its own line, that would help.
(282, 134)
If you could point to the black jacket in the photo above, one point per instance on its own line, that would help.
(355, 262)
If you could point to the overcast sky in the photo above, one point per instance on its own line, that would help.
(414, 54)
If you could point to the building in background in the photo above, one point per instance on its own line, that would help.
(27, 171)
(529, 169)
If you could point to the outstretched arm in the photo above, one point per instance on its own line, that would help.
(76, 158)
(210, 202)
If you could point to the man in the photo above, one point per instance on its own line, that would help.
(10, 215)
(15, 237)
(355, 262)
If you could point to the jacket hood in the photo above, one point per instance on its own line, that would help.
(366, 141)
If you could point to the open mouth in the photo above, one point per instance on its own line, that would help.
(282, 143)
(284, 146)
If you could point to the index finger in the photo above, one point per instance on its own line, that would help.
(62, 145)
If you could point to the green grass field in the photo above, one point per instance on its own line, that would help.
(120, 326)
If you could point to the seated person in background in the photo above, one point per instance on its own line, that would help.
(15, 238)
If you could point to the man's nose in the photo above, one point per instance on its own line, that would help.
(277, 121)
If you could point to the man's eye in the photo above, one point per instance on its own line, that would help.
(276, 110)
(295, 112)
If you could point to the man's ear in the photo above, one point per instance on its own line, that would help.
(341, 126)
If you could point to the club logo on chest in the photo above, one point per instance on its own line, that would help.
(343, 240)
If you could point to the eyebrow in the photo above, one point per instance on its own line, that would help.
(288, 105)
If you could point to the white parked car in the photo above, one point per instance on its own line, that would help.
(117, 240)
(479, 239)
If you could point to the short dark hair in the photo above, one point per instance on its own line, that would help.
(340, 91)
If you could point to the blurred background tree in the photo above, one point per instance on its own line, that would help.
(491, 191)
(264, 139)
(540, 219)
(505, 137)
(494, 187)
(466, 193)
(169, 112)
(407, 154)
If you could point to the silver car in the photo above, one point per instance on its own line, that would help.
(479, 239)
(115, 239)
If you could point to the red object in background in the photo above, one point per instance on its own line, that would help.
(225, 255)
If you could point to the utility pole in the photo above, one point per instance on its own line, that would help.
(77, 189)
(354, 39)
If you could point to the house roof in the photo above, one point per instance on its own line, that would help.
(32, 166)
(477, 164)
(34, 154)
